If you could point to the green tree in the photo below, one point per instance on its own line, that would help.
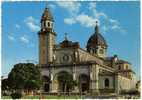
(24, 76)
(66, 81)
(4, 86)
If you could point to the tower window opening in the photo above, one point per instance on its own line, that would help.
(101, 51)
(44, 24)
(119, 67)
(126, 66)
(48, 24)
(106, 83)
(91, 51)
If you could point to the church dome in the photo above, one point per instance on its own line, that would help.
(96, 39)
(47, 15)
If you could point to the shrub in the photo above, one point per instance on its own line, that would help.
(16, 95)
(130, 92)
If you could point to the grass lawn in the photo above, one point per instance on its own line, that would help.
(45, 97)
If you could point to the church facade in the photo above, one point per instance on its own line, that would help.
(93, 71)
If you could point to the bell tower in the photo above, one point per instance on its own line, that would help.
(46, 38)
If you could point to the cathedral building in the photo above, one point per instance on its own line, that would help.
(92, 69)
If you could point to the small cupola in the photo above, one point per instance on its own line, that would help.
(47, 15)
(47, 20)
(69, 44)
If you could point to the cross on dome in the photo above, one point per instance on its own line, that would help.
(96, 27)
(66, 36)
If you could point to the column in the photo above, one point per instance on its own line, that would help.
(74, 73)
(53, 83)
(94, 80)
(117, 83)
(74, 78)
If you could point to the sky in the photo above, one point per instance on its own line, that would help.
(119, 23)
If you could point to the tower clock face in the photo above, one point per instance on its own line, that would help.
(65, 58)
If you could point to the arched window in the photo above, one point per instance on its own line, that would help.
(44, 24)
(119, 67)
(94, 51)
(106, 83)
(101, 51)
(48, 24)
(126, 66)
(91, 51)
(45, 79)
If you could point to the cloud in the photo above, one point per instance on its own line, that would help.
(92, 5)
(32, 24)
(69, 21)
(116, 26)
(24, 39)
(106, 23)
(104, 28)
(17, 26)
(10, 37)
(72, 6)
(86, 20)
(33, 27)
(97, 14)
(113, 21)
(52, 6)
(30, 19)
(82, 19)
(112, 24)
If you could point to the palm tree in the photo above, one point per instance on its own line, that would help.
(66, 81)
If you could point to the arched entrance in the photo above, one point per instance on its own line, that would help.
(106, 82)
(84, 83)
(46, 83)
(64, 81)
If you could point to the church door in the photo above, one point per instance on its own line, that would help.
(64, 79)
(84, 83)
(46, 83)
(46, 87)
